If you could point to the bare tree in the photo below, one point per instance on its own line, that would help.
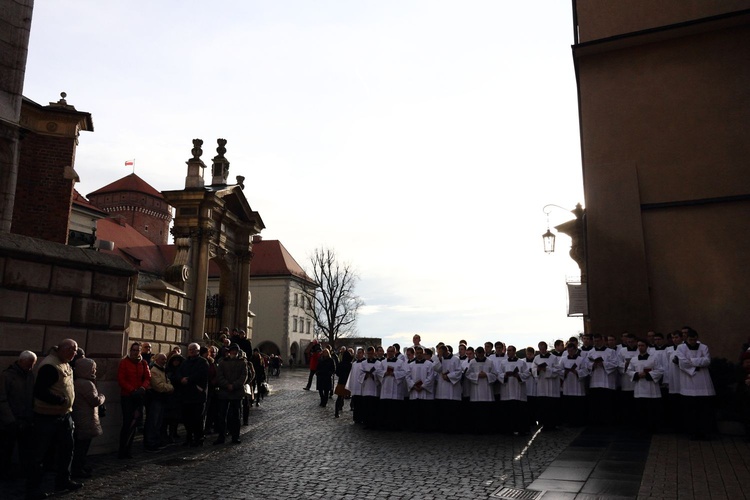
(334, 303)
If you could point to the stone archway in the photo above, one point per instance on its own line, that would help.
(294, 353)
(269, 348)
(216, 223)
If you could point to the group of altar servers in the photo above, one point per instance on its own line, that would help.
(644, 382)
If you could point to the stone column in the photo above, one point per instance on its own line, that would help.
(201, 257)
(15, 24)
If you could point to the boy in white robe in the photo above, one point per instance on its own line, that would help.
(602, 364)
(696, 387)
(512, 380)
(419, 384)
(354, 387)
(481, 376)
(547, 387)
(392, 376)
(367, 376)
(448, 374)
(574, 371)
(531, 399)
(646, 372)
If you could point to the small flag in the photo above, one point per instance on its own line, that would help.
(129, 163)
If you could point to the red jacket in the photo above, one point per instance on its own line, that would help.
(132, 376)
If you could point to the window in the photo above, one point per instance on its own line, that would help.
(294, 323)
(308, 326)
(296, 300)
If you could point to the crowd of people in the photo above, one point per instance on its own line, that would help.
(52, 413)
(651, 382)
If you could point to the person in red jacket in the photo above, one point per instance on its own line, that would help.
(315, 351)
(134, 378)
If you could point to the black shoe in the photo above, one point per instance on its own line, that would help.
(236, 441)
(336, 415)
(196, 444)
(219, 441)
(305, 388)
(152, 449)
(124, 456)
(68, 485)
(80, 474)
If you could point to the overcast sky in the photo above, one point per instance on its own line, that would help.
(418, 139)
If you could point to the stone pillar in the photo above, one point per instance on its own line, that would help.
(201, 258)
(15, 24)
(243, 288)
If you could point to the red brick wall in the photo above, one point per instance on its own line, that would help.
(158, 227)
(43, 195)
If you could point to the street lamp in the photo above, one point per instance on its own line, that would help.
(549, 236)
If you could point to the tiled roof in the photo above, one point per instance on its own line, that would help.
(78, 199)
(131, 245)
(270, 258)
(128, 183)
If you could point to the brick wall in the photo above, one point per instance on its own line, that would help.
(44, 189)
(140, 211)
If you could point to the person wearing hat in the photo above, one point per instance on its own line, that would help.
(231, 375)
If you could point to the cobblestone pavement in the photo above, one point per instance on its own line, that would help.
(295, 449)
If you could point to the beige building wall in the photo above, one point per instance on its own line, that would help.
(160, 316)
(664, 120)
(273, 302)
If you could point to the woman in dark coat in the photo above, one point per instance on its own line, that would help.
(260, 376)
(172, 414)
(323, 373)
(342, 374)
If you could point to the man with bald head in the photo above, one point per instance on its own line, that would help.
(53, 421)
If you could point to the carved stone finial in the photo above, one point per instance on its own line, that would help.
(63, 95)
(197, 151)
(221, 149)
(241, 181)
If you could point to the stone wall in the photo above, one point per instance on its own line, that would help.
(50, 292)
(160, 315)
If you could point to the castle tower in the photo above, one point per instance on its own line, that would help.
(139, 204)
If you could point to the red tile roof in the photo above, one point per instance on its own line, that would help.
(132, 246)
(78, 199)
(270, 258)
(128, 183)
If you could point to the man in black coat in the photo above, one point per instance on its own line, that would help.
(192, 388)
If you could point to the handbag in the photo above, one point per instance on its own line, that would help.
(248, 390)
(341, 390)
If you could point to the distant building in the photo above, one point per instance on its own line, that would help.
(283, 324)
(664, 106)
